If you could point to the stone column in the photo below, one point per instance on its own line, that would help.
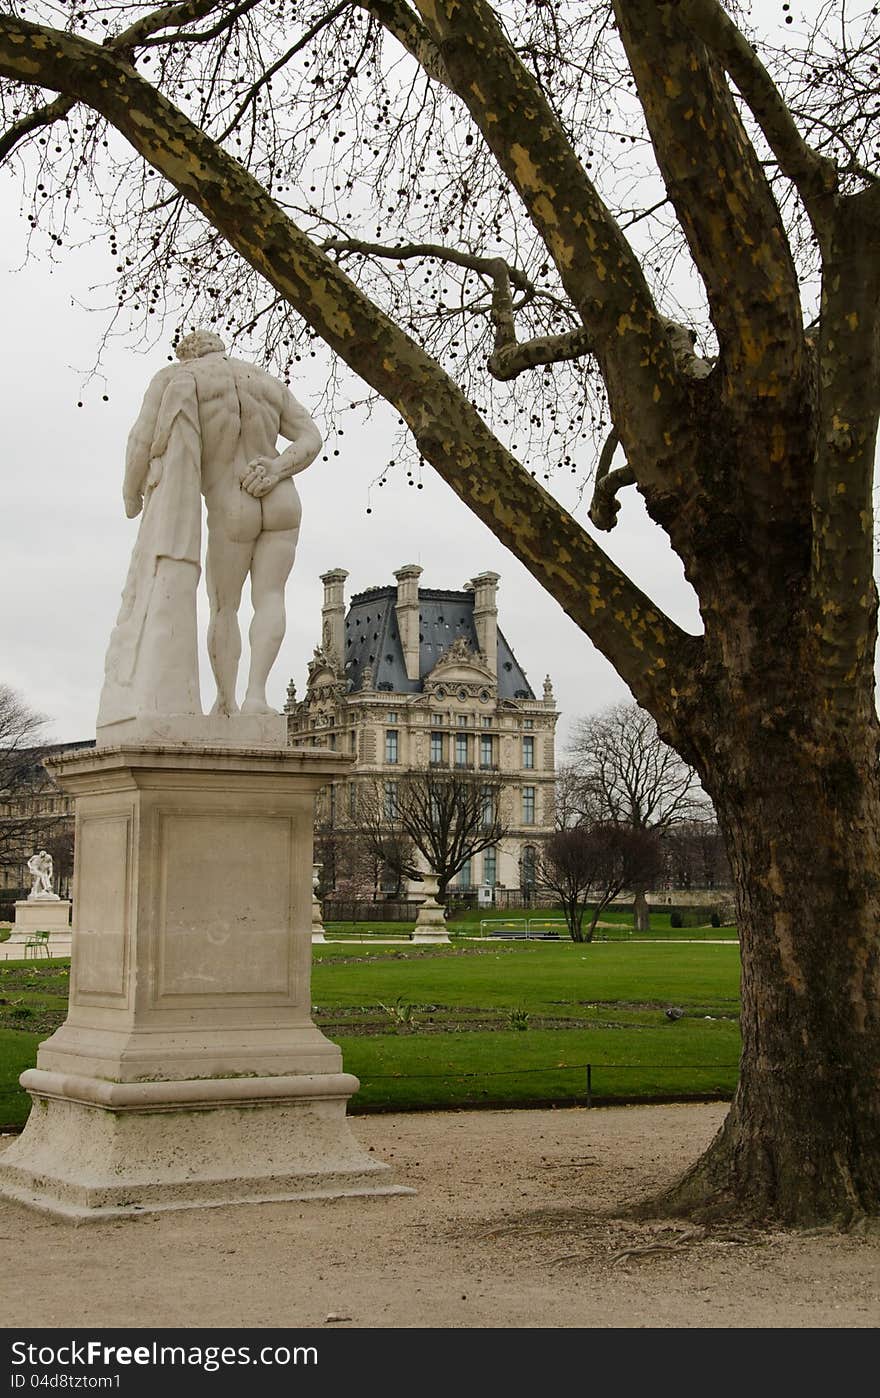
(188, 1070)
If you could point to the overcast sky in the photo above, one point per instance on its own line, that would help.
(65, 541)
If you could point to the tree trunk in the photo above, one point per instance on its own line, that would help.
(574, 918)
(641, 912)
(802, 824)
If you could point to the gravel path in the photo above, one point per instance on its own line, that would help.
(513, 1225)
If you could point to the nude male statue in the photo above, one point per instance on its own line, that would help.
(40, 867)
(253, 506)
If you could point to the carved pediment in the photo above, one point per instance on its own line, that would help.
(325, 676)
(460, 665)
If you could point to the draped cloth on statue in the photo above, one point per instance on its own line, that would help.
(152, 659)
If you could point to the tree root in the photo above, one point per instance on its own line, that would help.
(682, 1241)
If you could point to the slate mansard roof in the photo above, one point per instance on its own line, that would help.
(372, 638)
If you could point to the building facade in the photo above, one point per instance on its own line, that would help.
(408, 679)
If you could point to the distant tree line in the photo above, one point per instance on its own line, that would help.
(631, 817)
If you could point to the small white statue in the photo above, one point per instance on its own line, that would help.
(41, 868)
(208, 426)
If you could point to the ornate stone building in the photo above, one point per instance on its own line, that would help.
(412, 678)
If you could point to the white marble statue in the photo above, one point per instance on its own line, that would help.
(41, 869)
(208, 426)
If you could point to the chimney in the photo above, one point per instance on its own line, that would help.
(485, 587)
(333, 615)
(407, 610)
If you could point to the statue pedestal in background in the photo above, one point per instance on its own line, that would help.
(42, 910)
(40, 915)
(317, 913)
(431, 921)
(188, 1071)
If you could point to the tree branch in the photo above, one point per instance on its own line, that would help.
(605, 505)
(722, 198)
(176, 14)
(814, 176)
(140, 34)
(495, 268)
(652, 654)
(599, 270)
(42, 116)
(510, 357)
(267, 76)
(399, 20)
(508, 360)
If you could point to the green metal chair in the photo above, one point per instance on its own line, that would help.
(38, 942)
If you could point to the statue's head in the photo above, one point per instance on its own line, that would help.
(200, 342)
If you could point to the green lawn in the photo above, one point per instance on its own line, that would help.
(437, 1026)
(412, 1071)
(614, 924)
(536, 975)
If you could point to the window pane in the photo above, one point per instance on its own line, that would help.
(490, 867)
(528, 866)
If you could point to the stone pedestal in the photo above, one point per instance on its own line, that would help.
(40, 915)
(430, 921)
(188, 1071)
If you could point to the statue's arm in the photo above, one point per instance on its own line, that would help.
(295, 425)
(298, 428)
(140, 440)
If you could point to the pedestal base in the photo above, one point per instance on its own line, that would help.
(199, 730)
(188, 1071)
(94, 1150)
(40, 915)
(430, 925)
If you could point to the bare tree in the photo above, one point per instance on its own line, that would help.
(507, 185)
(23, 779)
(574, 803)
(695, 855)
(380, 840)
(626, 774)
(432, 821)
(592, 865)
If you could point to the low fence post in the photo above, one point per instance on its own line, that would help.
(589, 1084)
